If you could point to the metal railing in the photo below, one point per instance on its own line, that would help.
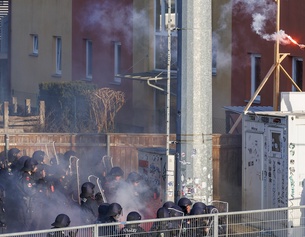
(278, 222)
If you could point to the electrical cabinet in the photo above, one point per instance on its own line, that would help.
(273, 167)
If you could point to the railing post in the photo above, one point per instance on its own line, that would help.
(15, 104)
(27, 106)
(5, 115)
(95, 230)
(215, 226)
(42, 113)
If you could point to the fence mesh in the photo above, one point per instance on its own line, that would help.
(281, 222)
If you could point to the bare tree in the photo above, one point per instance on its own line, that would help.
(105, 103)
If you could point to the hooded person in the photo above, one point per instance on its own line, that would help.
(89, 206)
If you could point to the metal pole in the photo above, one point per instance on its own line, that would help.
(170, 164)
(168, 76)
(276, 88)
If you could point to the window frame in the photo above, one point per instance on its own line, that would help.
(35, 44)
(295, 74)
(117, 60)
(89, 55)
(58, 55)
(255, 75)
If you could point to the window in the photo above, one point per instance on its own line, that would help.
(255, 75)
(89, 59)
(35, 44)
(214, 54)
(58, 59)
(117, 61)
(162, 17)
(297, 72)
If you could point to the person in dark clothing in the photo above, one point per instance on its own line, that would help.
(28, 193)
(112, 182)
(114, 212)
(160, 228)
(175, 226)
(2, 210)
(61, 184)
(185, 204)
(10, 177)
(61, 221)
(133, 229)
(89, 205)
(39, 156)
(200, 223)
(102, 213)
(19, 164)
(168, 204)
(13, 156)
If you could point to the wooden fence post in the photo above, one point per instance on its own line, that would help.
(5, 114)
(15, 104)
(42, 113)
(27, 106)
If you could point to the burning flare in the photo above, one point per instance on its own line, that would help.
(302, 46)
(292, 40)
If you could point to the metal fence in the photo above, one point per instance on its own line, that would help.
(280, 222)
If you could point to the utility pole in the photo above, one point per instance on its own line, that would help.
(276, 84)
(170, 164)
(194, 172)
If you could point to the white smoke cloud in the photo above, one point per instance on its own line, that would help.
(281, 36)
(263, 12)
(113, 20)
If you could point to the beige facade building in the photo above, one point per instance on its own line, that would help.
(42, 51)
(41, 47)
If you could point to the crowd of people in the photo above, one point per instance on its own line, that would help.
(33, 192)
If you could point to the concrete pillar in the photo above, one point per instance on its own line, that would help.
(194, 156)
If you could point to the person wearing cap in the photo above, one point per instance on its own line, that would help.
(61, 221)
